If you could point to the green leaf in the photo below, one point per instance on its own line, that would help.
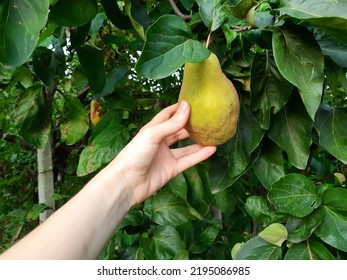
(115, 76)
(294, 194)
(325, 13)
(20, 25)
(258, 249)
(332, 48)
(300, 61)
(164, 245)
(49, 64)
(73, 12)
(258, 208)
(312, 250)
(218, 174)
(212, 13)
(269, 90)
(33, 117)
(178, 186)
(335, 198)
(291, 130)
(165, 208)
(132, 218)
(103, 148)
(202, 236)
(36, 210)
(331, 124)
(275, 234)
(168, 46)
(269, 165)
(75, 122)
(306, 227)
(115, 15)
(247, 138)
(92, 61)
(333, 229)
(138, 16)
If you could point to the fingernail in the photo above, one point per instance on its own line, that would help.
(183, 107)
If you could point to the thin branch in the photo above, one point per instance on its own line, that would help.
(178, 12)
(241, 28)
(14, 139)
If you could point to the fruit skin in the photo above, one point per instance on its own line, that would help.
(240, 10)
(213, 100)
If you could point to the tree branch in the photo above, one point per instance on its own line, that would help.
(14, 139)
(178, 12)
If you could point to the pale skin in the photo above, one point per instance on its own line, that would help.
(82, 227)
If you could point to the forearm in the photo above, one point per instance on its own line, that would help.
(81, 228)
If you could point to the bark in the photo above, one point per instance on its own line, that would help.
(45, 180)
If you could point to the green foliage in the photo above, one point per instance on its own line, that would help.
(276, 190)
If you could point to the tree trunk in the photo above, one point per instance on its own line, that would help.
(45, 179)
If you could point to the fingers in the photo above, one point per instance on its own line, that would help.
(192, 155)
(163, 115)
(165, 124)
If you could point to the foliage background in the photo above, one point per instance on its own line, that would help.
(87, 75)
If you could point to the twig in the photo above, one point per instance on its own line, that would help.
(19, 231)
(208, 40)
(241, 28)
(178, 12)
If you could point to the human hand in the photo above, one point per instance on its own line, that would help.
(147, 162)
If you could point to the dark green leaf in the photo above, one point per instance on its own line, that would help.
(48, 64)
(20, 24)
(258, 208)
(300, 60)
(325, 13)
(309, 251)
(335, 199)
(182, 255)
(307, 226)
(79, 34)
(212, 13)
(269, 90)
(202, 236)
(331, 47)
(132, 218)
(116, 75)
(294, 194)
(165, 208)
(247, 138)
(73, 12)
(331, 124)
(269, 165)
(258, 249)
(164, 244)
(33, 117)
(333, 229)
(168, 46)
(291, 130)
(219, 177)
(92, 61)
(138, 16)
(75, 122)
(104, 147)
(115, 15)
(178, 186)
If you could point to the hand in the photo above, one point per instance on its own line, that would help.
(147, 162)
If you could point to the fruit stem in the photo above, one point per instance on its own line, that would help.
(208, 40)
